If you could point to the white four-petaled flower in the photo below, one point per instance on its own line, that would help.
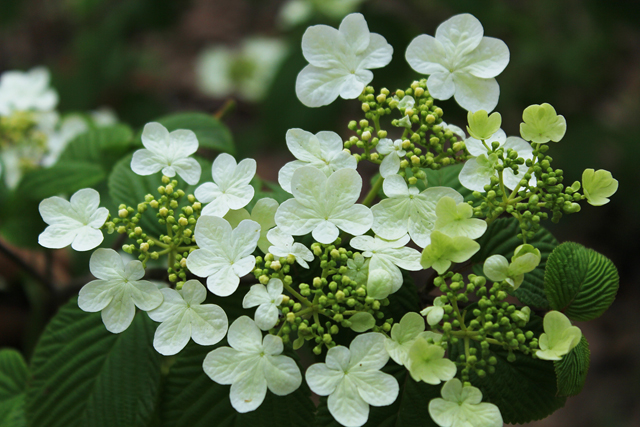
(323, 151)
(252, 365)
(118, 290)
(460, 62)
(339, 61)
(26, 91)
(230, 188)
(183, 316)
(323, 205)
(167, 152)
(76, 222)
(393, 152)
(352, 379)
(224, 255)
(267, 299)
(404, 334)
(408, 210)
(283, 245)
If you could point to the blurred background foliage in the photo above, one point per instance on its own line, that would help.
(138, 57)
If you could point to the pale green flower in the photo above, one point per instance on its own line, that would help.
(598, 186)
(264, 213)
(481, 125)
(362, 321)
(444, 250)
(542, 124)
(427, 363)
(404, 334)
(457, 219)
(463, 407)
(283, 245)
(267, 299)
(435, 312)
(559, 337)
(525, 259)
(358, 269)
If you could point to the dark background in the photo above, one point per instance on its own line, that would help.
(583, 57)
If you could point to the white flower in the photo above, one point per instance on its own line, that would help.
(183, 316)
(393, 152)
(358, 269)
(460, 62)
(352, 379)
(230, 188)
(76, 223)
(339, 61)
(252, 365)
(477, 171)
(457, 219)
(323, 151)
(388, 255)
(404, 334)
(167, 152)
(434, 313)
(26, 91)
(267, 299)
(284, 245)
(463, 407)
(408, 210)
(323, 205)
(247, 71)
(69, 127)
(263, 212)
(225, 254)
(118, 291)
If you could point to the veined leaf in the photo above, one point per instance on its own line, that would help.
(65, 177)
(572, 369)
(13, 381)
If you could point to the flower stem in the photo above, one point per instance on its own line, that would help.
(368, 200)
(299, 297)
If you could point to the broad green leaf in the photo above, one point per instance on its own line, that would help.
(20, 221)
(580, 282)
(191, 399)
(404, 300)
(104, 145)
(13, 382)
(572, 369)
(500, 238)
(525, 390)
(410, 409)
(84, 376)
(210, 132)
(65, 177)
(127, 187)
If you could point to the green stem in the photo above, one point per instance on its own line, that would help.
(368, 200)
(299, 297)
(158, 242)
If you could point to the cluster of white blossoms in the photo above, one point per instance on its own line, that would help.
(221, 247)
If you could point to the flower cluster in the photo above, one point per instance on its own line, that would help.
(323, 262)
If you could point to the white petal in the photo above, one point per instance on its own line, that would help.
(245, 336)
(172, 335)
(118, 315)
(145, 295)
(286, 173)
(208, 324)
(106, 264)
(144, 162)
(86, 239)
(355, 31)
(316, 87)
(460, 34)
(441, 85)
(95, 295)
(207, 192)
(56, 210)
(375, 387)
(249, 390)
(266, 316)
(378, 54)
(223, 169)
(390, 165)
(172, 304)
(474, 93)
(395, 186)
(183, 143)
(282, 374)
(58, 236)
(244, 239)
(346, 405)
(325, 232)
(426, 55)
(325, 47)
(257, 295)
(224, 365)
(488, 60)
(223, 282)
(212, 233)
(368, 352)
(188, 169)
(303, 145)
(474, 176)
(322, 380)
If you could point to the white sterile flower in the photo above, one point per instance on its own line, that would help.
(263, 212)
(435, 312)
(477, 171)
(460, 62)
(225, 254)
(167, 152)
(284, 245)
(26, 91)
(388, 255)
(393, 152)
(267, 299)
(404, 334)
(323, 205)
(339, 61)
(230, 188)
(118, 290)
(358, 269)
(408, 210)
(69, 127)
(251, 365)
(324, 151)
(76, 222)
(463, 407)
(457, 219)
(352, 379)
(525, 259)
(183, 316)
(559, 336)
(427, 363)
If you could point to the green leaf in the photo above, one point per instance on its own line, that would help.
(406, 299)
(210, 132)
(409, 409)
(104, 145)
(83, 375)
(65, 177)
(13, 381)
(500, 238)
(525, 390)
(191, 399)
(580, 282)
(572, 369)
(125, 186)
